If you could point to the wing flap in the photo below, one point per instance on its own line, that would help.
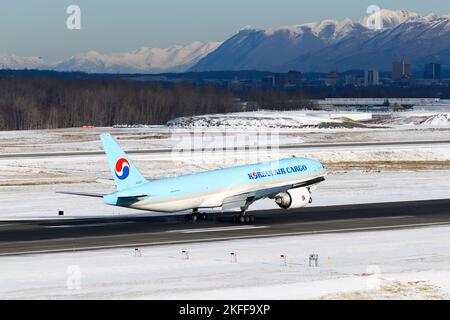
(309, 182)
(240, 200)
(236, 201)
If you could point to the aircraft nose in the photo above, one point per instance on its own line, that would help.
(318, 166)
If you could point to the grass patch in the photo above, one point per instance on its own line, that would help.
(42, 183)
(389, 165)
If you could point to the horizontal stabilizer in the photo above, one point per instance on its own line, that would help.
(84, 194)
(130, 194)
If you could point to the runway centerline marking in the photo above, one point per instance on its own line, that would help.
(89, 224)
(217, 229)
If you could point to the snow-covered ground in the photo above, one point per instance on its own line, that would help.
(243, 129)
(268, 119)
(395, 264)
(315, 119)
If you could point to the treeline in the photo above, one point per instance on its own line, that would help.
(43, 103)
(54, 102)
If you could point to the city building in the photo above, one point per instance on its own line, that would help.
(281, 80)
(332, 79)
(432, 71)
(268, 82)
(294, 78)
(371, 78)
(401, 70)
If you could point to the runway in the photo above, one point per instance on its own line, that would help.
(30, 237)
(292, 147)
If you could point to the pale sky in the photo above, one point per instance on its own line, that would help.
(38, 27)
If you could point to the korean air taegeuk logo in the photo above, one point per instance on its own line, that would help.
(122, 168)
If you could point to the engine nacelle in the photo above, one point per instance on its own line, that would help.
(293, 198)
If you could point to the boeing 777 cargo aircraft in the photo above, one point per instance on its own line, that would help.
(287, 181)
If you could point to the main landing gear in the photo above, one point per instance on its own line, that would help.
(243, 217)
(195, 216)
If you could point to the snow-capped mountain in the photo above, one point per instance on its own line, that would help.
(336, 45)
(144, 60)
(268, 49)
(12, 61)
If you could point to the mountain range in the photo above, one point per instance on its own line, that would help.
(320, 46)
(145, 60)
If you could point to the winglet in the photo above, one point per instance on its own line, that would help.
(124, 172)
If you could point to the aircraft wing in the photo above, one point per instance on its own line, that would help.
(240, 200)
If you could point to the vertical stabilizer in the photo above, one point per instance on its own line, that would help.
(124, 172)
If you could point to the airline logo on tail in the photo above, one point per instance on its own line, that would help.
(122, 169)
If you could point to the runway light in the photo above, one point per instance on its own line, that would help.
(60, 213)
(329, 262)
(137, 252)
(233, 256)
(283, 260)
(185, 254)
(314, 260)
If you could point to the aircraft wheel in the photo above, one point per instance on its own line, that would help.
(194, 217)
(310, 200)
(241, 219)
(252, 218)
(204, 216)
(247, 219)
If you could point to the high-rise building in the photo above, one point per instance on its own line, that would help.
(268, 82)
(432, 71)
(332, 79)
(281, 80)
(401, 70)
(294, 78)
(371, 78)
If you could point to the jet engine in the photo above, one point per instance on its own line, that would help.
(293, 198)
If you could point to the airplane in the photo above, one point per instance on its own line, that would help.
(288, 182)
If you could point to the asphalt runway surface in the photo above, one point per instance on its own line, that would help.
(281, 147)
(62, 235)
